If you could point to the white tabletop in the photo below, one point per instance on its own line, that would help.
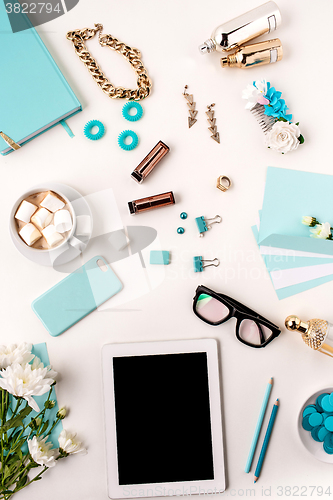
(159, 307)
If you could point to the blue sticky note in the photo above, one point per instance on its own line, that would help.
(161, 257)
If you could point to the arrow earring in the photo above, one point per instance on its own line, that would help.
(191, 104)
(212, 127)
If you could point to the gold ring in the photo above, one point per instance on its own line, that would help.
(223, 183)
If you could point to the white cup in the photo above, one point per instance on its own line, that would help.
(14, 231)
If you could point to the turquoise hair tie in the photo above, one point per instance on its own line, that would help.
(127, 108)
(123, 136)
(89, 126)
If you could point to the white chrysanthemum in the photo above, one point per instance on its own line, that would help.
(322, 231)
(307, 220)
(69, 444)
(42, 452)
(38, 365)
(27, 381)
(283, 137)
(253, 93)
(14, 353)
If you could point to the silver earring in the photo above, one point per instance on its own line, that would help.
(191, 104)
(211, 120)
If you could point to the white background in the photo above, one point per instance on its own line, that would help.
(168, 33)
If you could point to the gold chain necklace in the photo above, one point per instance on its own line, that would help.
(144, 84)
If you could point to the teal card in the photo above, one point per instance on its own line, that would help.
(290, 195)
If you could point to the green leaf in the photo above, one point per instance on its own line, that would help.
(297, 124)
(16, 421)
(301, 139)
(281, 119)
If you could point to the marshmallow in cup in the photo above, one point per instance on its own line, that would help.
(62, 221)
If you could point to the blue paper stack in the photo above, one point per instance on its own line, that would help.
(295, 261)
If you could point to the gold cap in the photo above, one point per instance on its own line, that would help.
(293, 323)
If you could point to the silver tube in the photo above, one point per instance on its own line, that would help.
(232, 34)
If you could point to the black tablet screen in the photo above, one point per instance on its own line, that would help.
(163, 418)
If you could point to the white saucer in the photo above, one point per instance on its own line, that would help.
(316, 449)
(67, 252)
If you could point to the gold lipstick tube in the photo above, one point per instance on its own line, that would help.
(157, 201)
(150, 162)
(255, 54)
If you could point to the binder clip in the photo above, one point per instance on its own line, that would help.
(198, 263)
(205, 224)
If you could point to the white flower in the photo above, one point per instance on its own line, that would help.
(15, 354)
(27, 381)
(255, 92)
(42, 452)
(307, 220)
(69, 444)
(283, 137)
(61, 413)
(38, 365)
(322, 231)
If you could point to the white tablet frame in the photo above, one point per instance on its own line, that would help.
(184, 488)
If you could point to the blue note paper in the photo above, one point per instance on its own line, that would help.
(40, 350)
(289, 195)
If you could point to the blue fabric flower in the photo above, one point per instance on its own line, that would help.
(277, 106)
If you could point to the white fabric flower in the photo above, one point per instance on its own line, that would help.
(14, 353)
(69, 444)
(27, 381)
(322, 231)
(254, 93)
(283, 137)
(42, 452)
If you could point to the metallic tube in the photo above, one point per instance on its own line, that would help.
(254, 55)
(238, 31)
(157, 201)
(150, 162)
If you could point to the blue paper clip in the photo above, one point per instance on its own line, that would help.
(198, 263)
(205, 224)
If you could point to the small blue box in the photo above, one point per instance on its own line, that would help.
(161, 257)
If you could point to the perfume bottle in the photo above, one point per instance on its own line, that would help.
(256, 22)
(254, 55)
(316, 333)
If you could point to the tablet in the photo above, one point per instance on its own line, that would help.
(163, 419)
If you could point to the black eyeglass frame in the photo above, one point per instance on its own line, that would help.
(238, 311)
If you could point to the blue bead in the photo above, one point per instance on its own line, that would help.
(180, 230)
(183, 215)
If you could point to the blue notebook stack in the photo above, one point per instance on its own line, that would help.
(34, 95)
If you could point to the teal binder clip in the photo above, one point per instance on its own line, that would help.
(204, 224)
(198, 263)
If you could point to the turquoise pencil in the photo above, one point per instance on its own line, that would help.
(258, 426)
(266, 440)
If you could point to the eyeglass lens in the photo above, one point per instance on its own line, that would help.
(250, 332)
(211, 309)
(214, 311)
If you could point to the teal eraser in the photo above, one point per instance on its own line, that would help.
(161, 257)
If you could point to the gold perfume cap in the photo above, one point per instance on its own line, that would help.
(293, 323)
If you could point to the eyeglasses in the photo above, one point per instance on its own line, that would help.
(216, 308)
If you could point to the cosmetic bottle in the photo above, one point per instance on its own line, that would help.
(316, 333)
(256, 22)
(254, 55)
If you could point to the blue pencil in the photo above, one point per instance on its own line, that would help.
(266, 440)
(258, 426)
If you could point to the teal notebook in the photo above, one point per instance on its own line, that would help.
(34, 95)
